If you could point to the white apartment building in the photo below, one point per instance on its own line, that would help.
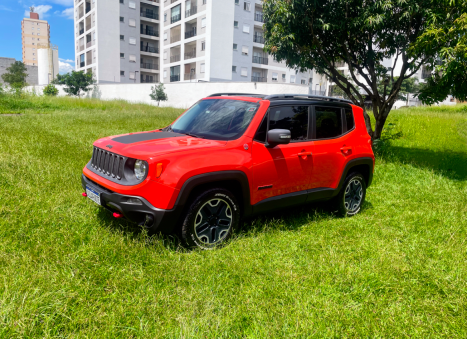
(133, 41)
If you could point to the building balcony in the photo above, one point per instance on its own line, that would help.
(193, 10)
(174, 78)
(150, 49)
(89, 44)
(81, 64)
(81, 31)
(192, 76)
(148, 81)
(150, 32)
(175, 58)
(149, 15)
(147, 65)
(258, 79)
(175, 18)
(175, 38)
(190, 55)
(88, 61)
(258, 38)
(259, 16)
(155, 1)
(260, 60)
(88, 7)
(191, 33)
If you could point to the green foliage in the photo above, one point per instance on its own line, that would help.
(69, 269)
(76, 83)
(50, 90)
(320, 35)
(158, 94)
(16, 75)
(408, 86)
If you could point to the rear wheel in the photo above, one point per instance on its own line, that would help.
(211, 219)
(350, 199)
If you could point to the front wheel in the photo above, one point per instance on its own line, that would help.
(350, 199)
(210, 219)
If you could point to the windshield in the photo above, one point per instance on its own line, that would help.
(217, 119)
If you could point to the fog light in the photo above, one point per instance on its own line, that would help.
(132, 201)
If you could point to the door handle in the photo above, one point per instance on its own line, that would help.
(304, 154)
(346, 150)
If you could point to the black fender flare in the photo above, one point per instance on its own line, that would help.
(213, 177)
(367, 161)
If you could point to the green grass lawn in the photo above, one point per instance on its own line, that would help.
(68, 269)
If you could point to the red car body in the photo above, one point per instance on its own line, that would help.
(261, 177)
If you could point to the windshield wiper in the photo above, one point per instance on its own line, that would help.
(192, 135)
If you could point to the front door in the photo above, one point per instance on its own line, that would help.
(283, 170)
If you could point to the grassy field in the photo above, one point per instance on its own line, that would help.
(67, 269)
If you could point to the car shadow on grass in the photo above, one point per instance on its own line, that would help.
(451, 165)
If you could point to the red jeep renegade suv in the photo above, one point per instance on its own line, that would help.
(231, 156)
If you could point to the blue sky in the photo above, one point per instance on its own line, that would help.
(59, 14)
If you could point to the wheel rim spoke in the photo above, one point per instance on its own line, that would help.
(353, 195)
(213, 221)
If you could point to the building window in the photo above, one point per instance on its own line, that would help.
(274, 76)
(244, 72)
(165, 17)
(203, 22)
(132, 75)
(122, 73)
(235, 47)
(246, 28)
(122, 37)
(122, 55)
(303, 81)
(33, 58)
(234, 69)
(292, 79)
(121, 1)
(132, 41)
(283, 77)
(235, 24)
(202, 68)
(122, 19)
(165, 36)
(165, 55)
(132, 4)
(165, 74)
(203, 45)
(132, 22)
(132, 58)
(246, 6)
(38, 33)
(237, 2)
(244, 50)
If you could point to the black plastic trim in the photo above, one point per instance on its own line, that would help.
(356, 162)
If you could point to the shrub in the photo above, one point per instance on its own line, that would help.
(50, 90)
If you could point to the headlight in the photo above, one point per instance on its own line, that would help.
(141, 168)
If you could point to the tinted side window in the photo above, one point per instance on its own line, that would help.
(261, 132)
(328, 122)
(349, 118)
(293, 118)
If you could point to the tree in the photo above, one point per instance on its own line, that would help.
(76, 82)
(157, 93)
(16, 75)
(321, 35)
(408, 86)
(50, 90)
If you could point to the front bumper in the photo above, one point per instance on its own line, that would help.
(164, 220)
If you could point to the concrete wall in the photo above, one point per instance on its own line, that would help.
(32, 78)
(182, 95)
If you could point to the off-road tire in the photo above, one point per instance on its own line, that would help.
(201, 229)
(352, 195)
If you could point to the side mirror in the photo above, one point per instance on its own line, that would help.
(278, 137)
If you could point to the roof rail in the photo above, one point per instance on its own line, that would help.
(316, 97)
(239, 94)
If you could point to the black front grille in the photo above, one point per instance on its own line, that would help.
(108, 163)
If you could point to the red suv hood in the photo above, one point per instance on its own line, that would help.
(156, 144)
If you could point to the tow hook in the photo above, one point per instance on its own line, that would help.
(117, 215)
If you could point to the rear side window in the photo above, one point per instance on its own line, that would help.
(328, 122)
(293, 118)
(349, 119)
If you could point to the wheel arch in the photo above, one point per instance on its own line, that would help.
(361, 165)
(234, 181)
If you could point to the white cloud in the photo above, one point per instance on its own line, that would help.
(67, 13)
(62, 2)
(68, 61)
(41, 10)
(64, 67)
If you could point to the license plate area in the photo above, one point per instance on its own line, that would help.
(93, 195)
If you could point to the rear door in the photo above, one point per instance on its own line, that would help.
(283, 169)
(332, 145)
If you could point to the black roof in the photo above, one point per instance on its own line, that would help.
(285, 97)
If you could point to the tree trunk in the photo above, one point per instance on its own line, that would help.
(407, 99)
(379, 125)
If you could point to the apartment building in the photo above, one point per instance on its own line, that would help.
(34, 32)
(134, 41)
